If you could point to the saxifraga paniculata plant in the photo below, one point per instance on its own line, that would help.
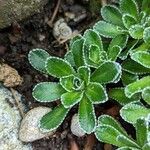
(110, 131)
(82, 79)
(91, 68)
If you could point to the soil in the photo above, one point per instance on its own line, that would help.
(16, 42)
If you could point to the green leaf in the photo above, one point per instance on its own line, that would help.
(127, 141)
(128, 20)
(137, 86)
(107, 30)
(69, 58)
(53, 119)
(134, 67)
(130, 7)
(77, 51)
(108, 134)
(58, 67)
(113, 53)
(84, 74)
(119, 95)
(106, 73)
(96, 93)
(146, 95)
(131, 44)
(110, 121)
(146, 147)
(94, 53)
(47, 91)
(146, 35)
(112, 15)
(128, 78)
(87, 118)
(77, 37)
(67, 82)
(92, 38)
(119, 40)
(141, 131)
(37, 58)
(133, 111)
(136, 31)
(69, 99)
(142, 58)
(146, 6)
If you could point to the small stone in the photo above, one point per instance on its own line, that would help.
(9, 122)
(29, 128)
(75, 126)
(9, 76)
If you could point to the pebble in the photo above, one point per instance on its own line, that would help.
(9, 122)
(75, 127)
(29, 128)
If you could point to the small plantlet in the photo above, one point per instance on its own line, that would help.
(110, 131)
(78, 83)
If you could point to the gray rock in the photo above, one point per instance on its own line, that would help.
(9, 122)
(15, 10)
(29, 129)
(75, 126)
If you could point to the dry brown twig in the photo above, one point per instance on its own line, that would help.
(50, 22)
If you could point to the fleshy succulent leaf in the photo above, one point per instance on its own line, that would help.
(141, 131)
(92, 38)
(77, 51)
(69, 99)
(136, 31)
(54, 118)
(119, 95)
(67, 82)
(127, 141)
(128, 78)
(58, 67)
(37, 58)
(108, 120)
(106, 73)
(137, 86)
(119, 40)
(96, 93)
(94, 53)
(87, 118)
(133, 111)
(145, 6)
(146, 35)
(108, 134)
(146, 95)
(128, 20)
(129, 6)
(142, 58)
(113, 53)
(84, 74)
(69, 58)
(146, 146)
(47, 91)
(107, 30)
(112, 15)
(134, 67)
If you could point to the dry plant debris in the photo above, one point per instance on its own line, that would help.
(9, 76)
